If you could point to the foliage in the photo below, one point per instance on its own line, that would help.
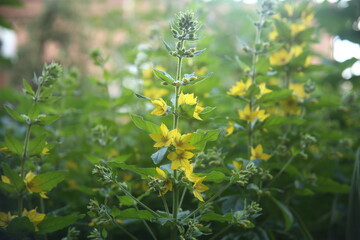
(139, 146)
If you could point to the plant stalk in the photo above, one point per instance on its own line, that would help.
(22, 171)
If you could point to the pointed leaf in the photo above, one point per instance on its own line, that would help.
(14, 145)
(197, 53)
(142, 97)
(145, 125)
(164, 76)
(53, 223)
(13, 114)
(200, 138)
(143, 172)
(288, 217)
(158, 156)
(167, 46)
(37, 145)
(14, 178)
(131, 213)
(50, 179)
(28, 89)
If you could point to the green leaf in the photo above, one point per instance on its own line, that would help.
(167, 46)
(198, 78)
(126, 201)
(21, 226)
(46, 119)
(206, 112)
(121, 158)
(13, 114)
(328, 185)
(92, 158)
(262, 66)
(14, 145)
(37, 145)
(143, 172)
(216, 217)
(14, 178)
(280, 120)
(213, 176)
(159, 155)
(252, 91)
(28, 89)
(187, 110)
(164, 76)
(142, 97)
(7, 187)
(288, 217)
(50, 179)
(242, 65)
(197, 53)
(53, 223)
(131, 213)
(145, 125)
(283, 30)
(200, 138)
(274, 97)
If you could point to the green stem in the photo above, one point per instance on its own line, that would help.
(124, 229)
(175, 126)
(255, 51)
(208, 201)
(165, 204)
(284, 168)
(22, 171)
(147, 226)
(182, 197)
(138, 201)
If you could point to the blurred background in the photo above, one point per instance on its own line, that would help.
(36, 31)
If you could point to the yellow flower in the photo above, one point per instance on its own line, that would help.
(182, 141)
(230, 128)
(160, 107)
(261, 115)
(5, 179)
(297, 28)
(307, 17)
(296, 50)
(4, 149)
(289, 9)
(198, 109)
(192, 177)
(34, 217)
(163, 139)
(273, 35)
(45, 151)
(180, 159)
(199, 187)
(238, 165)
(33, 185)
(280, 57)
(251, 116)
(247, 114)
(257, 153)
(200, 71)
(147, 73)
(5, 219)
(155, 93)
(240, 88)
(263, 89)
(298, 90)
(291, 105)
(188, 99)
(167, 181)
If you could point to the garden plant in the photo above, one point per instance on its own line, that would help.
(261, 144)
